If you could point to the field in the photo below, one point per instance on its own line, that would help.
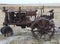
(24, 36)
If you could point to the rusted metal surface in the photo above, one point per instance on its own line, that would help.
(18, 17)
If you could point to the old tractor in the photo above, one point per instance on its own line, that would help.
(42, 24)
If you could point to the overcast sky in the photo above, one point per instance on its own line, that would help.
(28, 1)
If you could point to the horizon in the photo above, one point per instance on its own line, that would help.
(48, 4)
(28, 1)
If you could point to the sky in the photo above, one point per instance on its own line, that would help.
(28, 1)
